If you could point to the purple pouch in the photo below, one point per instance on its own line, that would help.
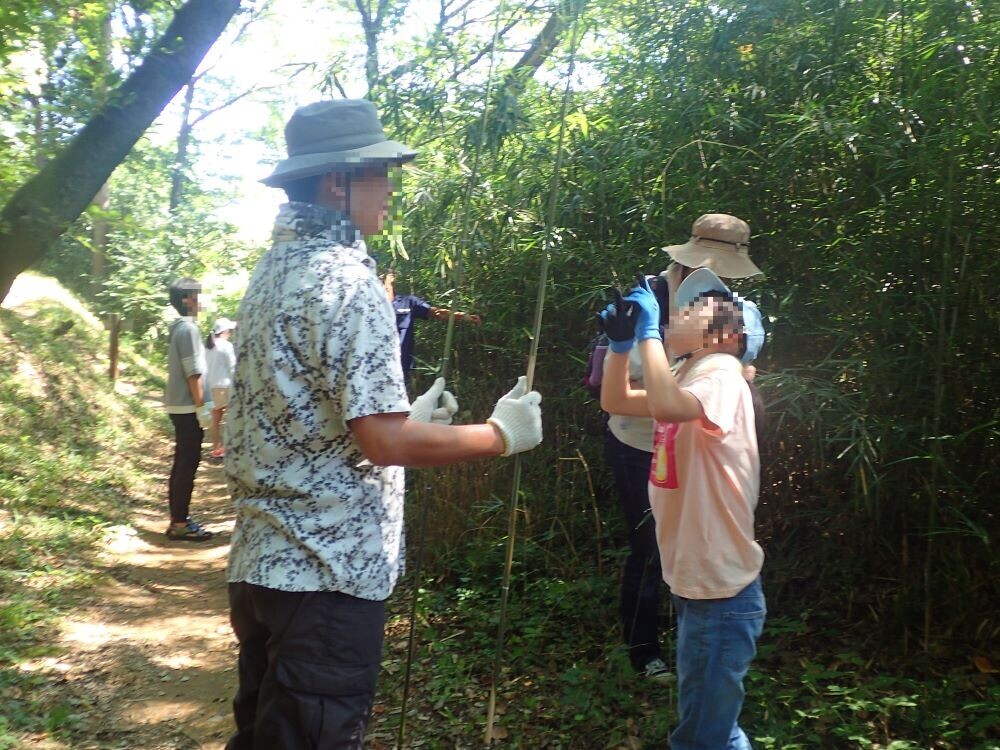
(595, 371)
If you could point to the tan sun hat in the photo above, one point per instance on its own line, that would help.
(327, 136)
(719, 242)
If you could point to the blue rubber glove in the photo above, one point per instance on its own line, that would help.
(617, 320)
(647, 324)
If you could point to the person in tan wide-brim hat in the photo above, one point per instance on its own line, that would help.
(719, 242)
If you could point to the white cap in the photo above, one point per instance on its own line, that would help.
(222, 325)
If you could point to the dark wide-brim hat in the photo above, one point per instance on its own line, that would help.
(332, 136)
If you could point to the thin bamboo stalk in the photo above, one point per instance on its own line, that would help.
(411, 644)
(543, 277)
(459, 249)
(445, 359)
(942, 365)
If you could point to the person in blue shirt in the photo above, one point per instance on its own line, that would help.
(410, 308)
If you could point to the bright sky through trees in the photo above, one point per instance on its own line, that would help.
(294, 33)
(286, 52)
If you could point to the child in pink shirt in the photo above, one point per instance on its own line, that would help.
(704, 483)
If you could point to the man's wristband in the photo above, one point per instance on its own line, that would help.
(621, 347)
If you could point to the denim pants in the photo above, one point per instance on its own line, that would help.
(640, 592)
(716, 641)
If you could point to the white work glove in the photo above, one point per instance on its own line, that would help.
(437, 405)
(518, 416)
(204, 414)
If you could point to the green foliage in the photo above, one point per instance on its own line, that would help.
(147, 247)
(839, 703)
(150, 247)
(59, 61)
(65, 59)
(60, 490)
(566, 681)
(860, 146)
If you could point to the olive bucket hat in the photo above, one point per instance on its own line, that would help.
(720, 242)
(331, 135)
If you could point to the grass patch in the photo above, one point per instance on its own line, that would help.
(566, 682)
(67, 472)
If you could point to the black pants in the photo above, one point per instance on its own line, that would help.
(640, 595)
(187, 455)
(308, 666)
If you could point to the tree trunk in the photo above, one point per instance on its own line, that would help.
(99, 240)
(542, 45)
(47, 204)
(101, 226)
(373, 25)
(179, 174)
(38, 134)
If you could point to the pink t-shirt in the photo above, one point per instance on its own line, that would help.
(703, 486)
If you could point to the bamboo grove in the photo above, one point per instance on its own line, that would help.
(857, 138)
(859, 141)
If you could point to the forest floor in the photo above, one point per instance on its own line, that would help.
(149, 660)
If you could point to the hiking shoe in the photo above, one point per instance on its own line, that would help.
(656, 670)
(190, 532)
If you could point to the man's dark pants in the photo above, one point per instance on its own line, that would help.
(308, 666)
(187, 455)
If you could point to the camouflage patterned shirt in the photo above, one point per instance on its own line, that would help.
(316, 347)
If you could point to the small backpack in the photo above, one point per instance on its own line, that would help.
(597, 350)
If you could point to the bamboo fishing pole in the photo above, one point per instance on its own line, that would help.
(543, 277)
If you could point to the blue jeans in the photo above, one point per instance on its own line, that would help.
(716, 641)
(640, 594)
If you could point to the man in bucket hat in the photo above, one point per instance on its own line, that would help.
(319, 428)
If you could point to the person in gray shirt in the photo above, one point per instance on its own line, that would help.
(184, 401)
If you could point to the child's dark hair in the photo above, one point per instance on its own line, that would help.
(179, 290)
(726, 318)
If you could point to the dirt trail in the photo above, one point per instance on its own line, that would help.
(151, 659)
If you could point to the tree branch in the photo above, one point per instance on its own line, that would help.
(46, 205)
(543, 44)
